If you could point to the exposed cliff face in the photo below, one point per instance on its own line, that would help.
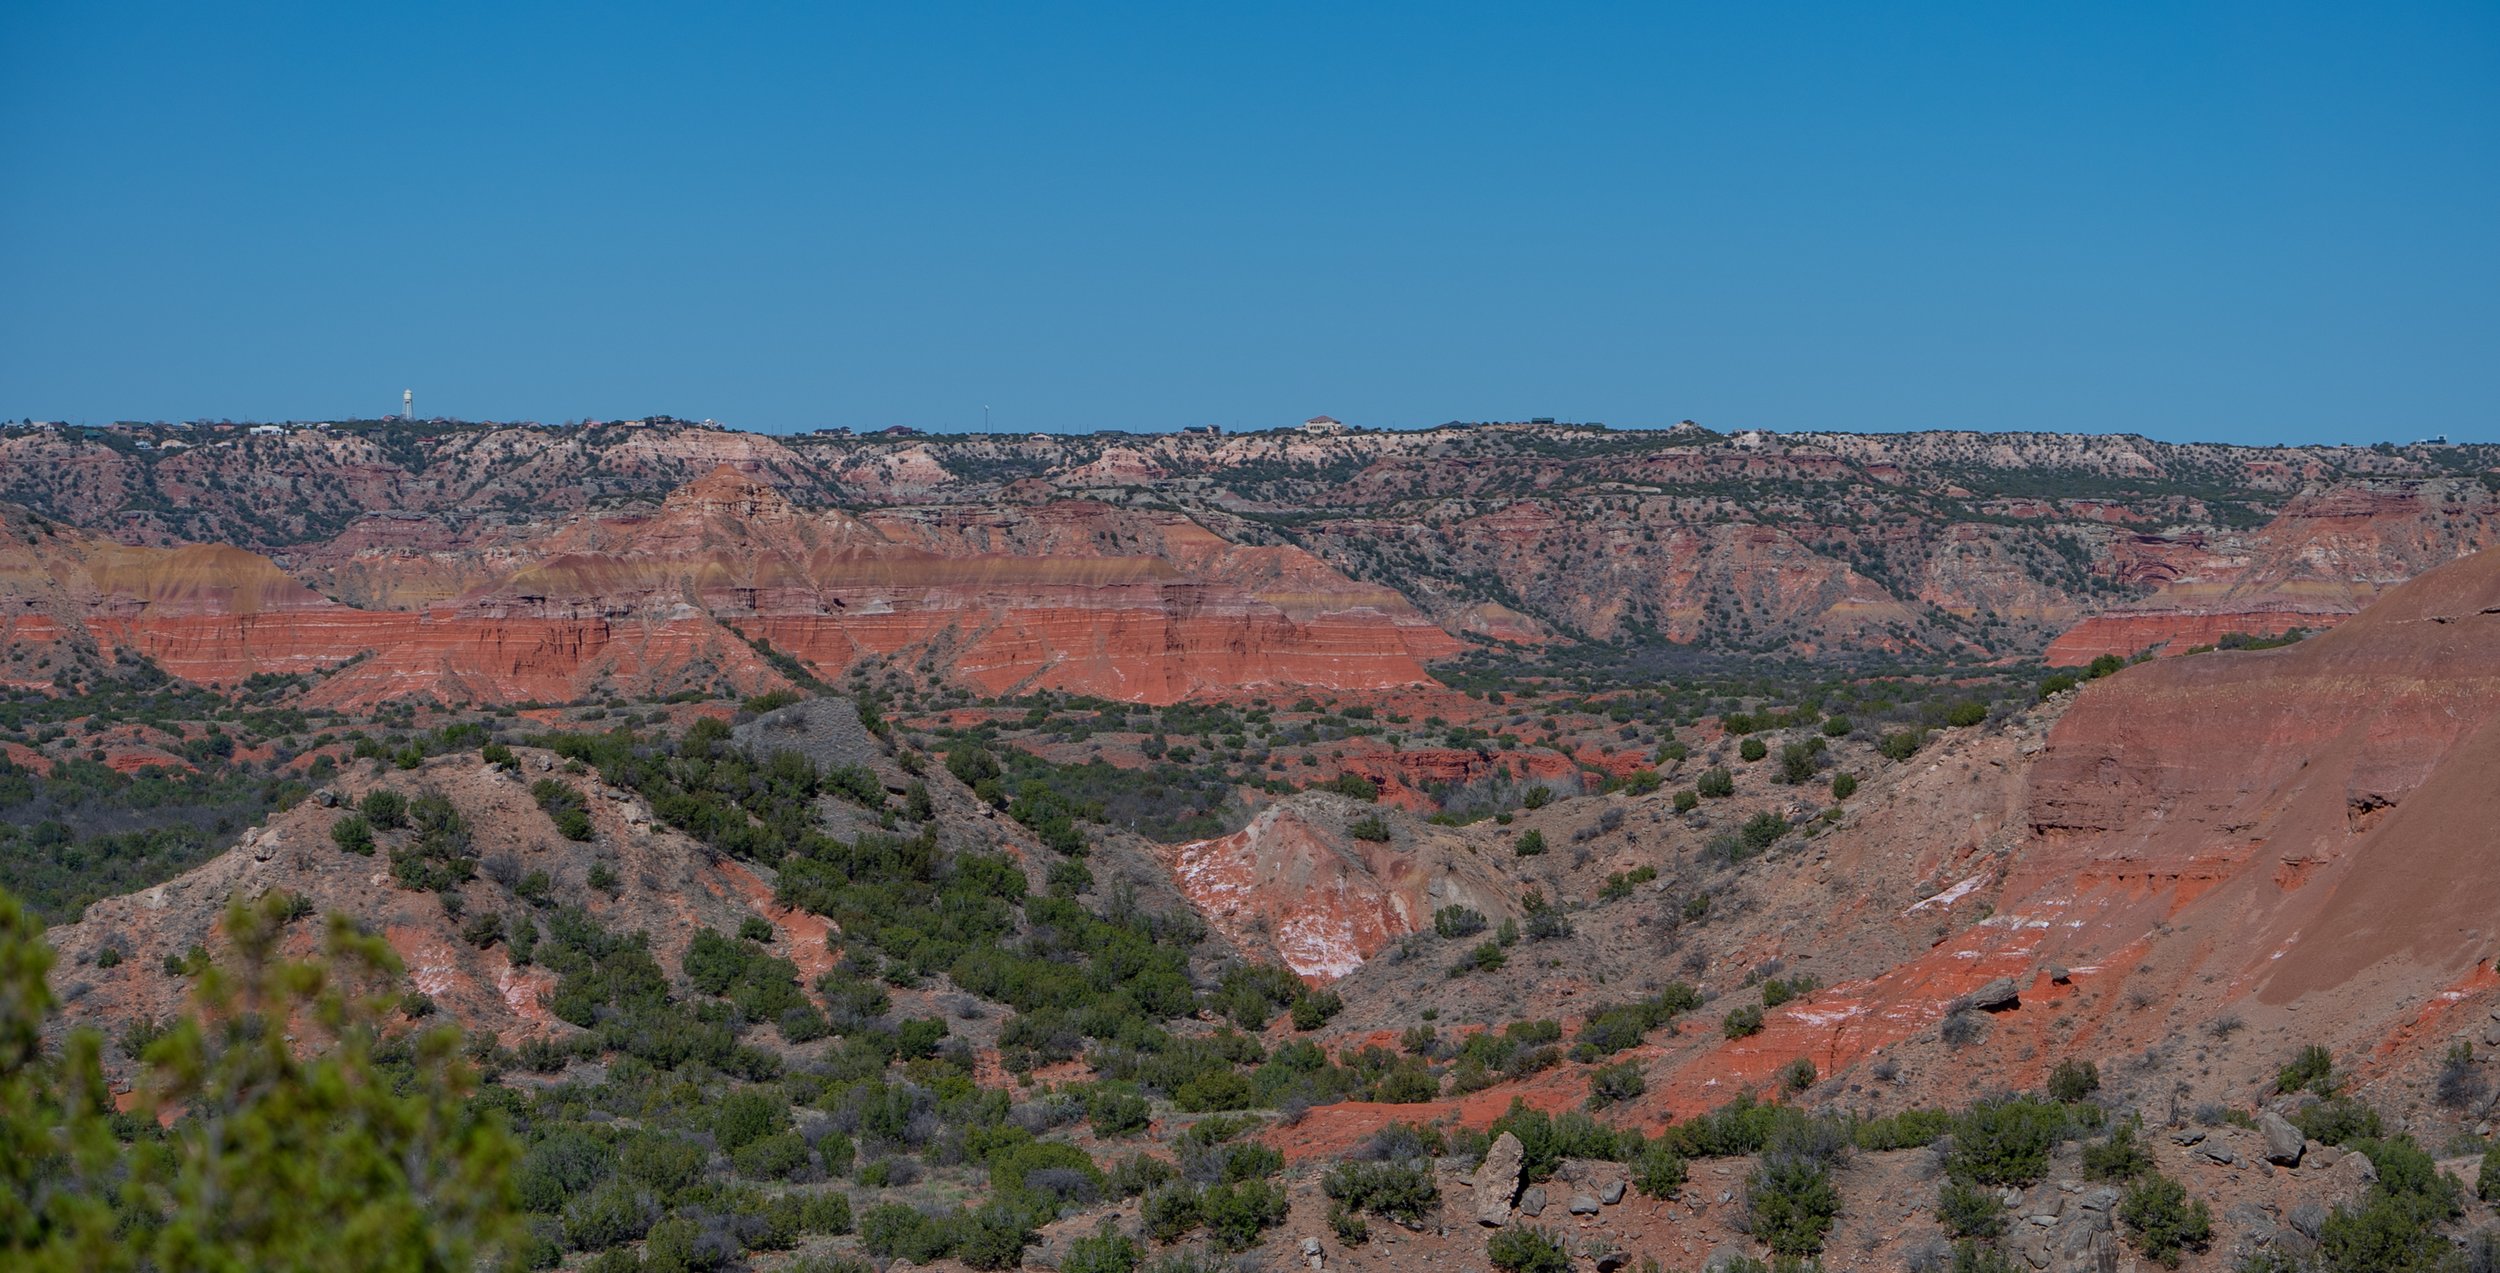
(1189, 564)
(1071, 595)
(2330, 552)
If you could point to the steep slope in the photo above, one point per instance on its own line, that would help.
(2184, 872)
(665, 886)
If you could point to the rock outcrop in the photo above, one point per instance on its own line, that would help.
(1297, 882)
(1497, 1181)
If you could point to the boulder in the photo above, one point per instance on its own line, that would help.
(2284, 1143)
(1532, 1203)
(1497, 1181)
(1996, 996)
(2309, 1218)
(1583, 1205)
(1612, 1193)
(2353, 1173)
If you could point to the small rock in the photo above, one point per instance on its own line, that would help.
(2061, 976)
(1609, 1261)
(1723, 1257)
(326, 798)
(2191, 1136)
(2284, 1142)
(1612, 1193)
(1310, 1246)
(2215, 1151)
(1532, 1203)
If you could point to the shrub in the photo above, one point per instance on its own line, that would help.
(1537, 797)
(1402, 1191)
(2120, 1157)
(565, 805)
(748, 1115)
(2397, 1224)
(1236, 1213)
(1527, 1249)
(2340, 1121)
(1797, 1075)
(1530, 842)
(354, 834)
(2312, 1068)
(1658, 1171)
(1715, 782)
(1798, 762)
(1969, 1211)
(1777, 991)
(1106, 1250)
(1792, 1203)
(484, 929)
(1457, 921)
(1900, 744)
(2006, 1141)
(1687, 800)
(1761, 831)
(2074, 1079)
(2165, 1223)
(770, 1158)
(1844, 786)
(387, 810)
(1743, 1022)
(1116, 1111)
(1369, 827)
(2459, 1086)
(1752, 749)
(1609, 1084)
(1961, 1028)
(1170, 1213)
(1965, 713)
(1311, 1011)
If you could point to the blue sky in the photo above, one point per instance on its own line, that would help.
(2262, 222)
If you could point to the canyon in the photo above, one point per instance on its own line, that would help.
(488, 564)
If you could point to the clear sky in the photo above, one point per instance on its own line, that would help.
(2261, 222)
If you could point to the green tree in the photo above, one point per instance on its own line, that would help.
(279, 1158)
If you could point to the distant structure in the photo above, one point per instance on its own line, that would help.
(1323, 425)
(407, 404)
(1202, 430)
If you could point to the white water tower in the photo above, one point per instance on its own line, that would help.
(407, 404)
